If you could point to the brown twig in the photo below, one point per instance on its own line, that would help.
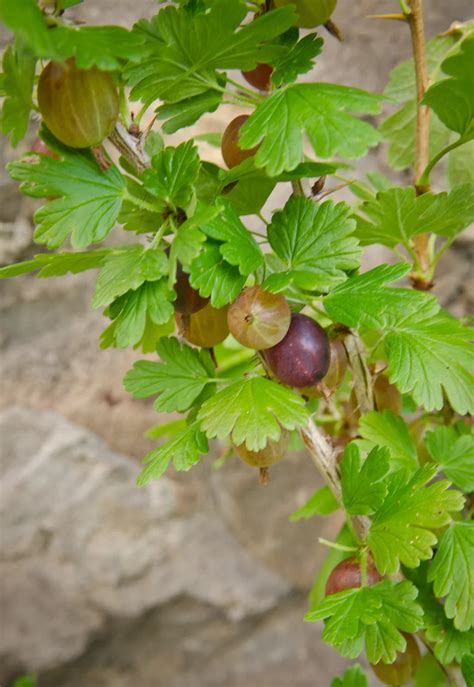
(422, 136)
(130, 147)
(325, 459)
(362, 378)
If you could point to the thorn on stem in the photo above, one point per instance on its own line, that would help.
(334, 30)
(101, 158)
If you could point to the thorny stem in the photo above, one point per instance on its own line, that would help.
(325, 459)
(360, 372)
(130, 147)
(422, 136)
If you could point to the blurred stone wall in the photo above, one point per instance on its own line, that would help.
(198, 580)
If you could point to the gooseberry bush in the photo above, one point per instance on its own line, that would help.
(265, 330)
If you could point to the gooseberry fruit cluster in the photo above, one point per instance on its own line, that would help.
(295, 349)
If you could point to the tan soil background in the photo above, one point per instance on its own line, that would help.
(199, 580)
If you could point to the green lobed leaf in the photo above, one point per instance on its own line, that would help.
(214, 277)
(172, 175)
(140, 212)
(373, 615)
(363, 482)
(449, 644)
(467, 666)
(252, 410)
(127, 270)
(135, 313)
(429, 673)
(460, 168)
(179, 378)
(455, 454)
(237, 245)
(428, 355)
(452, 572)
(186, 49)
(184, 449)
(322, 502)
(27, 23)
(363, 300)
(453, 98)
(396, 215)
(186, 112)
(189, 238)
(319, 109)
(58, 264)
(314, 242)
(107, 47)
(17, 88)
(401, 86)
(399, 128)
(402, 529)
(387, 429)
(427, 350)
(298, 60)
(352, 677)
(86, 201)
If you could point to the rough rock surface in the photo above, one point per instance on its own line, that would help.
(82, 546)
(198, 580)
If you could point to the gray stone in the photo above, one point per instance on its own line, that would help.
(259, 516)
(81, 544)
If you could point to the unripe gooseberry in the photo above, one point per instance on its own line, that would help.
(260, 77)
(302, 357)
(79, 106)
(188, 300)
(273, 452)
(405, 666)
(387, 396)
(205, 328)
(259, 319)
(347, 575)
(232, 153)
(310, 13)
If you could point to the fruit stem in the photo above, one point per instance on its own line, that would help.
(297, 187)
(335, 545)
(256, 97)
(264, 477)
